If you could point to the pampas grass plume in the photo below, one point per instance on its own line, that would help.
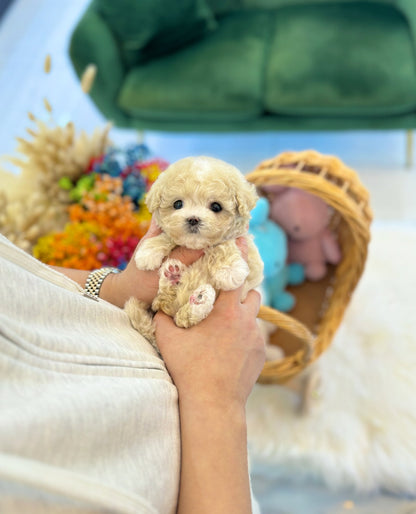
(88, 77)
(47, 64)
(47, 105)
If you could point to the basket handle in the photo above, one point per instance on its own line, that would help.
(291, 325)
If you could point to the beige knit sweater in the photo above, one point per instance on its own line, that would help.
(88, 413)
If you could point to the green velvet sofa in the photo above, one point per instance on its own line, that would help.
(242, 65)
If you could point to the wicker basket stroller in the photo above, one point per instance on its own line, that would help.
(309, 328)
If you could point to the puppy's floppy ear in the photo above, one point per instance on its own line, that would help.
(246, 198)
(154, 196)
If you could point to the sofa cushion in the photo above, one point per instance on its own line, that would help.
(221, 7)
(145, 29)
(218, 78)
(309, 74)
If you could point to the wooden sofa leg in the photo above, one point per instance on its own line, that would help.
(409, 148)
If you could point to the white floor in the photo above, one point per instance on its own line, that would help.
(31, 29)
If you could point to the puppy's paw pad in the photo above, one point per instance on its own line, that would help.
(197, 308)
(172, 271)
(202, 298)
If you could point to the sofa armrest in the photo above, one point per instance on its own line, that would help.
(92, 42)
(408, 9)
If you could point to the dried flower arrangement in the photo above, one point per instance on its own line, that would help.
(78, 201)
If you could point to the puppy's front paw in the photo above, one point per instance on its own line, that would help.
(171, 272)
(148, 259)
(231, 277)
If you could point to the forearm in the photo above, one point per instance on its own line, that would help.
(79, 276)
(132, 282)
(108, 291)
(214, 471)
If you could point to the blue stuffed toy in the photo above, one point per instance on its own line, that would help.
(271, 241)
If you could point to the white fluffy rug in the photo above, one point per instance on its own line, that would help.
(361, 429)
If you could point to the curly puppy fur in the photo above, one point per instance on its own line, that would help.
(199, 203)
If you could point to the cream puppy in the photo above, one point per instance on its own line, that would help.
(199, 203)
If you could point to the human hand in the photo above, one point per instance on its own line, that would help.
(217, 361)
(141, 284)
(214, 366)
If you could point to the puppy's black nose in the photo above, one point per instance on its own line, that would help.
(193, 221)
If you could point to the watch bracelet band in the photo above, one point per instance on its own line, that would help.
(95, 280)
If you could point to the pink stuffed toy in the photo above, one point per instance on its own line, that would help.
(305, 218)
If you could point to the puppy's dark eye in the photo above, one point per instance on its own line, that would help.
(215, 207)
(178, 204)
